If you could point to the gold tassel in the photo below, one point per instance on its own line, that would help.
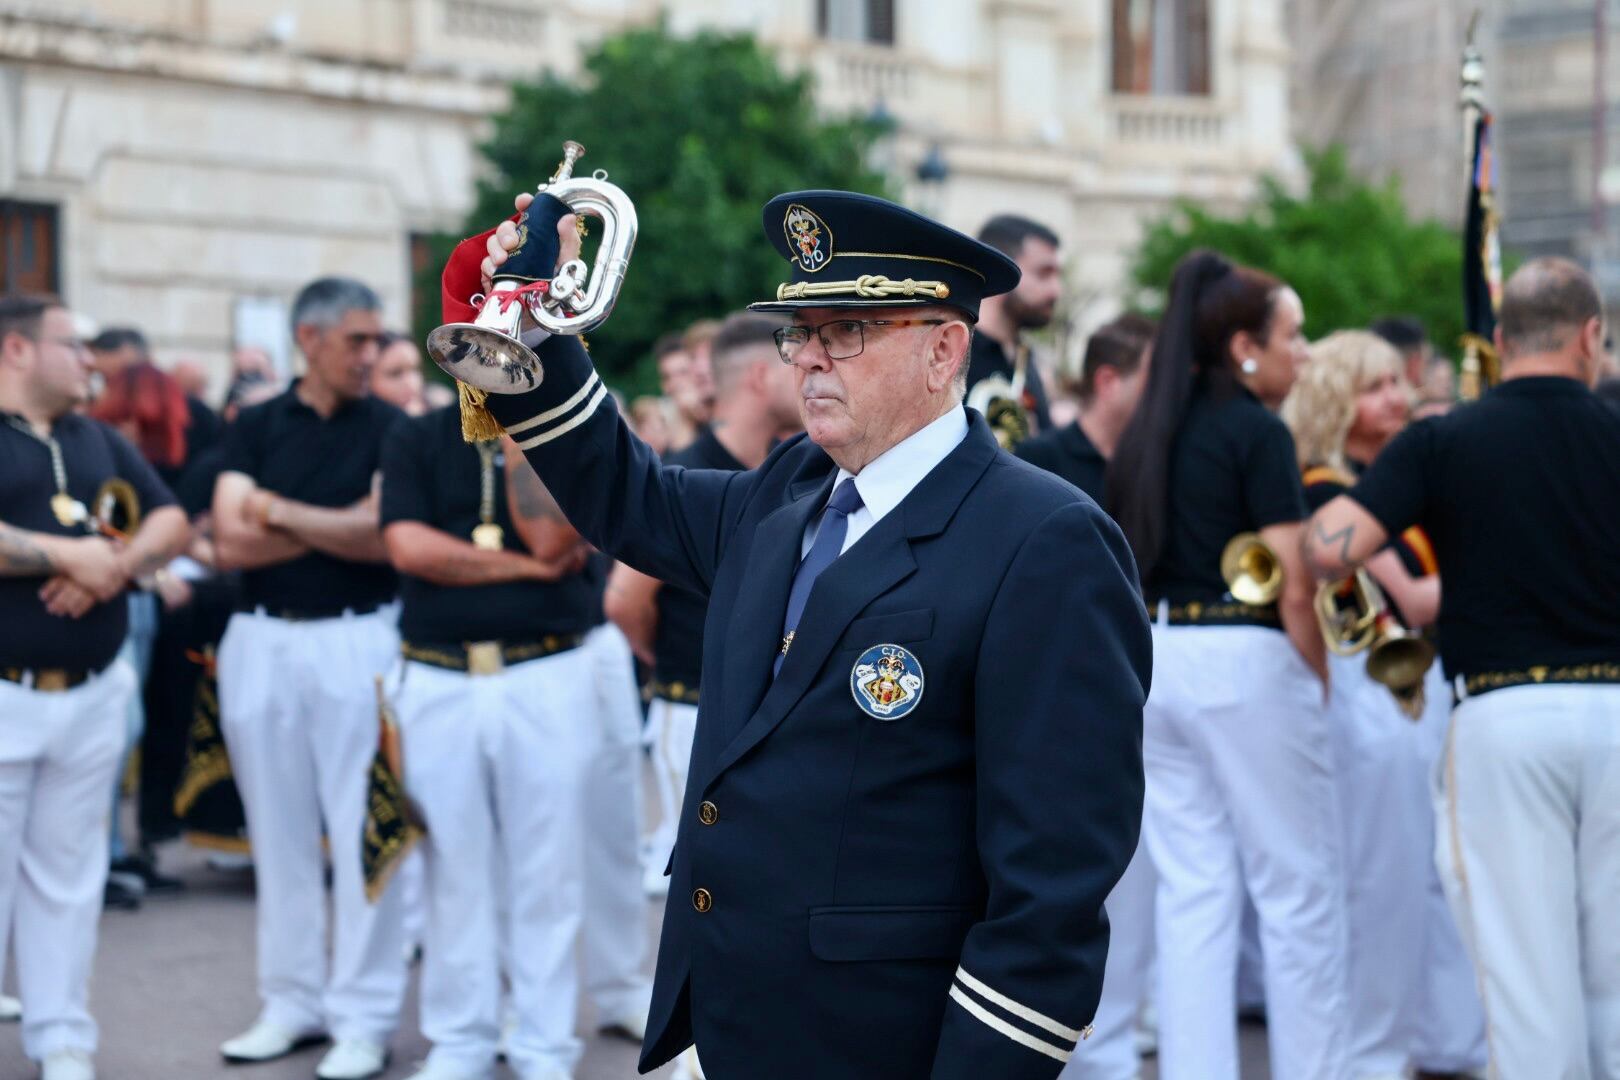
(478, 424)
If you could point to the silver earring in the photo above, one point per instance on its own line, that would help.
(1249, 366)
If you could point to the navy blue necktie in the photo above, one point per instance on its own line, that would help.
(829, 542)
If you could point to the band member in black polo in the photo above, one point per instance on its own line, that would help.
(1112, 375)
(1235, 740)
(1517, 492)
(1413, 999)
(494, 699)
(63, 697)
(1004, 380)
(296, 510)
(755, 405)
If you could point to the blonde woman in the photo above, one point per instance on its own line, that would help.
(1413, 999)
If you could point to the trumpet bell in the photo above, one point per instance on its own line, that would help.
(1251, 569)
(1400, 661)
(488, 354)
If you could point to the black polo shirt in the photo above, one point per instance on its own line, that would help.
(1232, 470)
(678, 643)
(1520, 493)
(987, 358)
(431, 475)
(1068, 453)
(290, 449)
(92, 452)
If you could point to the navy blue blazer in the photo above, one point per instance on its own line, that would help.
(862, 898)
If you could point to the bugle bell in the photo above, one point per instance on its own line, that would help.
(488, 354)
(1252, 570)
(116, 509)
(1355, 617)
(1003, 409)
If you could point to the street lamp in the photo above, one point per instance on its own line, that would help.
(932, 172)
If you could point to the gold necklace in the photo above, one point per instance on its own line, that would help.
(68, 510)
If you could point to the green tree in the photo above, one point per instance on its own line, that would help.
(700, 132)
(1347, 247)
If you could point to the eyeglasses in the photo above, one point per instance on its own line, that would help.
(841, 338)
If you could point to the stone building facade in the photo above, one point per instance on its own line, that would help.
(184, 165)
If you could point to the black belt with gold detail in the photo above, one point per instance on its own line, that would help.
(678, 692)
(1541, 675)
(489, 657)
(50, 680)
(1220, 613)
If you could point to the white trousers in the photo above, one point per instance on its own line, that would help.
(1388, 831)
(616, 937)
(497, 765)
(1448, 1022)
(1529, 850)
(1110, 1053)
(671, 727)
(59, 752)
(1239, 764)
(298, 709)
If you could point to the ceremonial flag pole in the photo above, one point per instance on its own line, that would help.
(1482, 249)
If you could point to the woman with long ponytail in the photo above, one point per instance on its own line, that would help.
(1236, 748)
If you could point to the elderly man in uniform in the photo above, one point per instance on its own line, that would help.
(1518, 494)
(62, 693)
(917, 773)
(295, 508)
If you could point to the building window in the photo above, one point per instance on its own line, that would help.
(1161, 46)
(27, 248)
(871, 21)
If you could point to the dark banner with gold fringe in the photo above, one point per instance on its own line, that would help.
(392, 827)
(206, 800)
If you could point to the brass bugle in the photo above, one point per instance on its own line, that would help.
(1355, 616)
(489, 353)
(1252, 570)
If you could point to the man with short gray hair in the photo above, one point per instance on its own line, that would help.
(296, 510)
(1517, 492)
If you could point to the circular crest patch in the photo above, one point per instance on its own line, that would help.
(808, 238)
(887, 682)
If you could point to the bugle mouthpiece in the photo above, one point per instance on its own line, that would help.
(572, 152)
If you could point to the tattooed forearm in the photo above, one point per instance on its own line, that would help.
(528, 495)
(1329, 553)
(20, 554)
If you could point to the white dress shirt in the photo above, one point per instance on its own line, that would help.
(889, 477)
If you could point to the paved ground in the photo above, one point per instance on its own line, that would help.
(174, 979)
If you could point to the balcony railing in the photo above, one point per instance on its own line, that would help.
(1167, 121)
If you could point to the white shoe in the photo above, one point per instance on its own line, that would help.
(631, 1025)
(353, 1059)
(266, 1041)
(67, 1065)
(439, 1070)
(10, 1009)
